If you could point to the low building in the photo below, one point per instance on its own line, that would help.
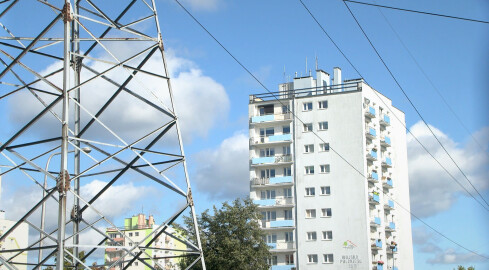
(17, 239)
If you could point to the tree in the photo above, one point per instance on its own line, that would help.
(69, 265)
(231, 238)
(463, 268)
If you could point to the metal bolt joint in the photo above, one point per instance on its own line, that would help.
(67, 14)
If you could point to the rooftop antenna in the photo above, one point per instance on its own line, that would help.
(285, 79)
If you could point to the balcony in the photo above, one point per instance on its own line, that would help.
(267, 202)
(271, 181)
(372, 155)
(370, 113)
(389, 205)
(391, 227)
(282, 202)
(375, 222)
(385, 120)
(270, 118)
(272, 245)
(392, 249)
(112, 249)
(370, 133)
(373, 177)
(373, 199)
(283, 267)
(387, 162)
(118, 239)
(281, 223)
(386, 182)
(278, 159)
(376, 244)
(378, 267)
(274, 139)
(385, 141)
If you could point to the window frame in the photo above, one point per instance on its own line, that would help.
(312, 258)
(325, 188)
(326, 258)
(325, 236)
(309, 148)
(310, 213)
(321, 104)
(310, 192)
(307, 106)
(307, 127)
(322, 124)
(309, 170)
(324, 147)
(312, 236)
(325, 214)
(325, 168)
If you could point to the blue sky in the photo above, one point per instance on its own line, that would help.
(268, 36)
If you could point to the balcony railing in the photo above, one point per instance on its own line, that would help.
(281, 223)
(271, 180)
(387, 182)
(275, 202)
(376, 244)
(372, 154)
(375, 222)
(272, 245)
(283, 267)
(373, 177)
(270, 139)
(374, 198)
(370, 112)
(385, 141)
(371, 133)
(389, 205)
(271, 117)
(385, 120)
(387, 162)
(272, 159)
(392, 225)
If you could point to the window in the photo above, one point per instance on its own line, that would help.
(269, 215)
(310, 191)
(288, 214)
(272, 260)
(289, 237)
(312, 258)
(266, 132)
(286, 150)
(326, 190)
(267, 194)
(285, 109)
(323, 104)
(326, 212)
(130, 234)
(308, 127)
(130, 244)
(309, 169)
(267, 173)
(307, 106)
(325, 168)
(136, 234)
(288, 171)
(311, 213)
(311, 236)
(286, 129)
(309, 148)
(287, 192)
(289, 259)
(327, 235)
(324, 147)
(328, 258)
(271, 238)
(323, 125)
(136, 263)
(267, 152)
(267, 109)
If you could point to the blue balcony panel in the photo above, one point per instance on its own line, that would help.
(389, 182)
(378, 243)
(282, 267)
(391, 203)
(376, 198)
(395, 268)
(262, 160)
(373, 153)
(279, 138)
(268, 202)
(272, 245)
(388, 161)
(375, 176)
(380, 267)
(392, 225)
(387, 140)
(395, 249)
(372, 132)
(282, 179)
(281, 223)
(387, 119)
(371, 110)
(377, 220)
(262, 118)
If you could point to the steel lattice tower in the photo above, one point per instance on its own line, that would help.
(87, 82)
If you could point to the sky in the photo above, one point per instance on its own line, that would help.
(273, 38)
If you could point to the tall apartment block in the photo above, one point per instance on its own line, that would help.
(139, 231)
(328, 180)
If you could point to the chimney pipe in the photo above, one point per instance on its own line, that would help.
(337, 76)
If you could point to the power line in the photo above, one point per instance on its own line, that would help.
(416, 138)
(410, 102)
(417, 11)
(432, 84)
(296, 117)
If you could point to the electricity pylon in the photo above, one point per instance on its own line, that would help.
(88, 81)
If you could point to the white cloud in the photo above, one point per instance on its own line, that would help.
(200, 101)
(223, 172)
(426, 175)
(450, 256)
(202, 5)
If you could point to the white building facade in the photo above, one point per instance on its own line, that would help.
(17, 239)
(322, 210)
